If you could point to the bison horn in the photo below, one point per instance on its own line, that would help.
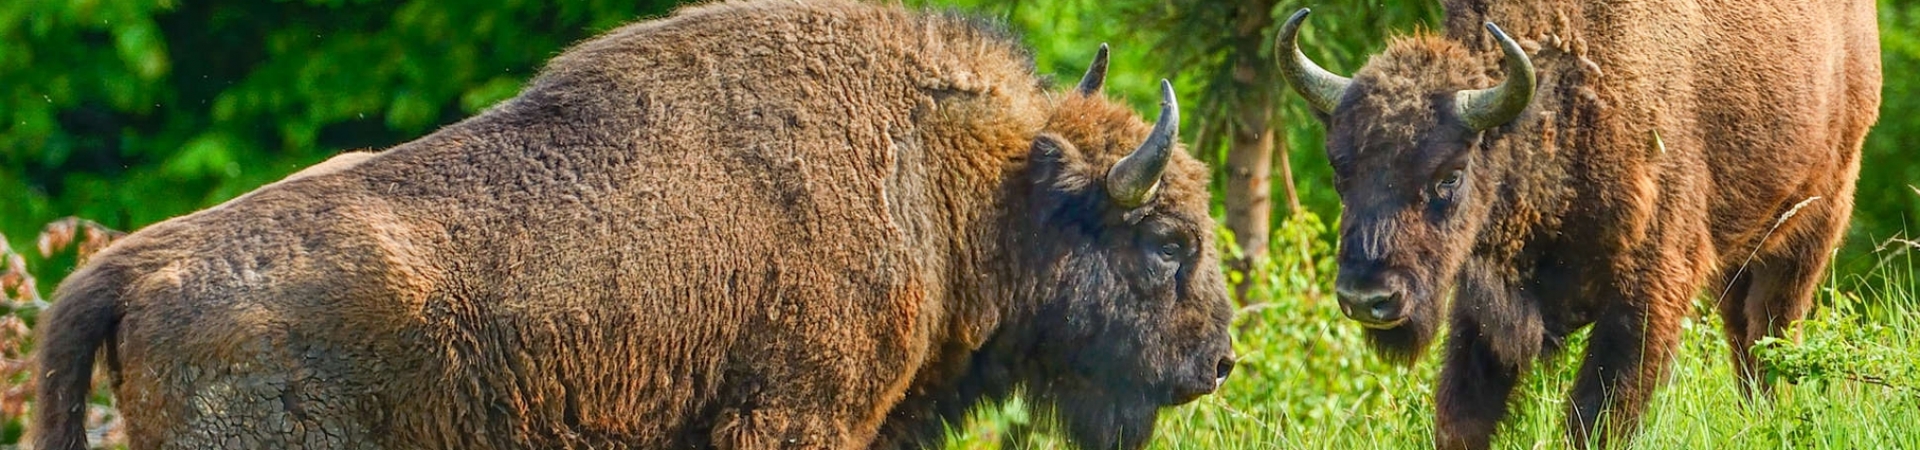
(1096, 74)
(1133, 180)
(1487, 108)
(1321, 88)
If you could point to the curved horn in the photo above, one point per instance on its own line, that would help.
(1321, 88)
(1096, 73)
(1487, 108)
(1134, 179)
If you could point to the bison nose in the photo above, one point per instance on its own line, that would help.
(1221, 370)
(1373, 307)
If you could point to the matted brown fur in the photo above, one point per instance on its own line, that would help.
(748, 225)
(1671, 149)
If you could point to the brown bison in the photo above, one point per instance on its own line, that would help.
(1632, 155)
(748, 225)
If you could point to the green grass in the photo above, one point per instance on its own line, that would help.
(1308, 381)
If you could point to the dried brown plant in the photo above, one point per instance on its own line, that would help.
(20, 294)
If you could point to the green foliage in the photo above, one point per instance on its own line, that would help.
(1065, 34)
(1296, 259)
(1848, 341)
(134, 111)
(1884, 204)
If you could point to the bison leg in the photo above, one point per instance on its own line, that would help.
(1630, 347)
(1733, 317)
(1782, 292)
(812, 389)
(1474, 385)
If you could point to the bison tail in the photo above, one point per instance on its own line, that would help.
(85, 313)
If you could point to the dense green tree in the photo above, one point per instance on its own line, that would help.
(1887, 204)
(132, 111)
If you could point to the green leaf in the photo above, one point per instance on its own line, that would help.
(489, 93)
(410, 110)
(207, 155)
(142, 48)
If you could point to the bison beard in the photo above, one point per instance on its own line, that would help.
(1097, 418)
(1405, 343)
(752, 224)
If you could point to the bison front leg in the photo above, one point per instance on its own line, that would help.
(1629, 350)
(1777, 289)
(1495, 335)
(816, 377)
(803, 409)
(1471, 399)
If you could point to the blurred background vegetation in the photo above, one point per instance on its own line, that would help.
(129, 112)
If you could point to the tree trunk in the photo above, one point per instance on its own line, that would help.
(1250, 148)
(1249, 206)
(1286, 176)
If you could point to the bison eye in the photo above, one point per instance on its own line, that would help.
(1450, 181)
(1170, 250)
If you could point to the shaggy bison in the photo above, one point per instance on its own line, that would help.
(1632, 155)
(748, 225)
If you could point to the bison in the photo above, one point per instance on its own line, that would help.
(751, 224)
(1632, 155)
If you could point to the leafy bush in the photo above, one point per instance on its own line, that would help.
(134, 111)
(1845, 340)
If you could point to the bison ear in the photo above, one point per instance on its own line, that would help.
(1055, 164)
(1065, 187)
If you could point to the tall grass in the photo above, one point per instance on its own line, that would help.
(1308, 381)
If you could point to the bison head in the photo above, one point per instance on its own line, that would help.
(1130, 309)
(1403, 136)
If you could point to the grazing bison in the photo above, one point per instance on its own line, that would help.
(748, 225)
(1632, 155)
